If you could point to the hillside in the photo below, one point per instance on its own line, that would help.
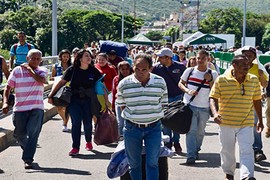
(151, 10)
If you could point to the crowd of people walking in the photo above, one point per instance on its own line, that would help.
(140, 85)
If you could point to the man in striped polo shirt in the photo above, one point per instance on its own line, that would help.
(141, 97)
(237, 93)
(28, 80)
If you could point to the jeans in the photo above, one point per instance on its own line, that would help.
(27, 129)
(120, 119)
(134, 138)
(80, 111)
(257, 145)
(174, 137)
(228, 137)
(194, 137)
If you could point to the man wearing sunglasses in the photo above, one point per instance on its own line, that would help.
(237, 92)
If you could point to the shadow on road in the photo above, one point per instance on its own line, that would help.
(2, 171)
(39, 169)
(96, 155)
(211, 134)
(207, 160)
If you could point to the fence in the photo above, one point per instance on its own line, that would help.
(224, 59)
(46, 62)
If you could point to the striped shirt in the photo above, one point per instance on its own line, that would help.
(28, 92)
(143, 105)
(236, 100)
(193, 82)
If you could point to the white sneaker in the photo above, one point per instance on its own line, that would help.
(64, 129)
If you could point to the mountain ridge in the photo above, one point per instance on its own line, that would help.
(151, 10)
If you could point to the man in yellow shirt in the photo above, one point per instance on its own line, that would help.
(236, 92)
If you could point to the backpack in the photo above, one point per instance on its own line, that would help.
(16, 45)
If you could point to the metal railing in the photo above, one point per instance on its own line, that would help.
(47, 62)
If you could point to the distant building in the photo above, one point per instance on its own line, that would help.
(186, 18)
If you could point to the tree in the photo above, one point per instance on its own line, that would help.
(71, 30)
(43, 40)
(154, 35)
(266, 36)
(227, 21)
(7, 38)
(173, 32)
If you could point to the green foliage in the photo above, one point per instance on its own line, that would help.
(230, 21)
(266, 37)
(4, 53)
(7, 38)
(173, 32)
(75, 27)
(154, 35)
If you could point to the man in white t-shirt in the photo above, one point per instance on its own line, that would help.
(191, 79)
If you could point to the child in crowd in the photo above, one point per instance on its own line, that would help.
(102, 96)
(57, 71)
(192, 61)
(124, 69)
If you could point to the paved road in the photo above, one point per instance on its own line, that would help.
(53, 162)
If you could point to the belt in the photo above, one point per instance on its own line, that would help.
(143, 125)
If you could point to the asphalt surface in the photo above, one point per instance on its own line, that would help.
(52, 160)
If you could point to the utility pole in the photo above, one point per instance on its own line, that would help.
(198, 12)
(244, 23)
(54, 28)
(122, 29)
(134, 11)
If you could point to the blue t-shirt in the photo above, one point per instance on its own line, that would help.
(21, 53)
(171, 75)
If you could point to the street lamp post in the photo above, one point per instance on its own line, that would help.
(122, 29)
(54, 27)
(184, 4)
(134, 11)
(244, 23)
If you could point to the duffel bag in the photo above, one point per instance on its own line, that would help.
(177, 117)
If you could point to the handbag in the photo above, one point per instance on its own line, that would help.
(178, 115)
(62, 96)
(106, 130)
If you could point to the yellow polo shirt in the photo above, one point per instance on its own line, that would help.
(236, 100)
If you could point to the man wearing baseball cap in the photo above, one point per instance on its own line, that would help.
(259, 71)
(171, 71)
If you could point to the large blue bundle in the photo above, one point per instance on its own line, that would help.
(120, 48)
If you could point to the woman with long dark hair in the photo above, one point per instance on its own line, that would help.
(82, 77)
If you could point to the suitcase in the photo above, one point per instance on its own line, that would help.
(120, 48)
(163, 169)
